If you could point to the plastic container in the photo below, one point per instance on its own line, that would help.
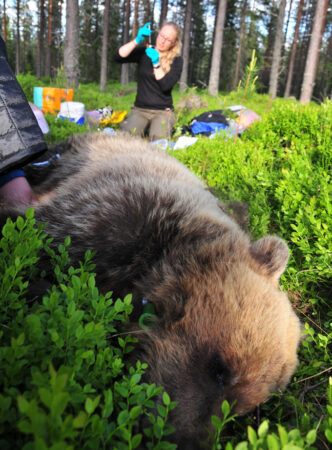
(52, 98)
(74, 111)
(38, 97)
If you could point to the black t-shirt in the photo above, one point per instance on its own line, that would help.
(152, 93)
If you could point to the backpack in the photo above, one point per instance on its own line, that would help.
(207, 123)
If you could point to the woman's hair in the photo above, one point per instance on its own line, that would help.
(166, 58)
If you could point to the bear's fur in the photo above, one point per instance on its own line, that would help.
(223, 330)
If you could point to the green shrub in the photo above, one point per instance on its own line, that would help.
(64, 379)
(282, 167)
(28, 82)
(61, 129)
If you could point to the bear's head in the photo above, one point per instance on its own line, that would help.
(223, 329)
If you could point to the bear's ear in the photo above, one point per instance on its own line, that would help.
(269, 257)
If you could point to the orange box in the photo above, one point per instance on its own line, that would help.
(52, 98)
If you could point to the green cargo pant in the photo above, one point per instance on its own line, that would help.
(159, 122)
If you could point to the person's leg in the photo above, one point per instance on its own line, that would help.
(161, 125)
(136, 123)
(16, 192)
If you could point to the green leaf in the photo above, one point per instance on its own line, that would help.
(157, 431)
(311, 437)
(20, 223)
(123, 418)
(46, 397)
(273, 442)
(29, 213)
(162, 411)
(23, 404)
(166, 399)
(20, 339)
(80, 420)
(252, 436)
(59, 403)
(25, 426)
(294, 434)
(67, 241)
(263, 429)
(328, 434)
(283, 435)
(225, 408)
(135, 412)
(242, 446)
(216, 422)
(292, 447)
(91, 405)
(136, 441)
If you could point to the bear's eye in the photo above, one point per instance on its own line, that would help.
(218, 370)
(148, 318)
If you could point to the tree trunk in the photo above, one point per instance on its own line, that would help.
(135, 20)
(18, 38)
(152, 14)
(274, 75)
(217, 46)
(24, 41)
(125, 67)
(147, 12)
(163, 11)
(302, 49)
(71, 48)
(293, 51)
(4, 21)
(321, 34)
(326, 71)
(287, 21)
(40, 40)
(185, 51)
(313, 52)
(49, 39)
(266, 70)
(241, 37)
(103, 70)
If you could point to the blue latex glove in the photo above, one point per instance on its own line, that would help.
(143, 32)
(153, 54)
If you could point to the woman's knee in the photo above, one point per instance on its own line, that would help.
(135, 123)
(161, 126)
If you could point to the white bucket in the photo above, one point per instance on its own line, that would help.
(72, 110)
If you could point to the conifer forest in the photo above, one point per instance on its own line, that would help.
(292, 41)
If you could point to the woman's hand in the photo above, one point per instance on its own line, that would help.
(143, 32)
(153, 54)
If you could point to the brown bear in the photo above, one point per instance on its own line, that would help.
(223, 329)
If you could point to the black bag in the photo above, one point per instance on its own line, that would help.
(21, 139)
(215, 116)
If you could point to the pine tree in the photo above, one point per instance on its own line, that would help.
(186, 41)
(71, 50)
(313, 52)
(217, 46)
(274, 75)
(106, 24)
(293, 51)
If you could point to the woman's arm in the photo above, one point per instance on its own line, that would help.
(168, 80)
(126, 49)
(158, 72)
(143, 32)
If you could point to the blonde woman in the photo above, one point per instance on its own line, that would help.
(159, 69)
